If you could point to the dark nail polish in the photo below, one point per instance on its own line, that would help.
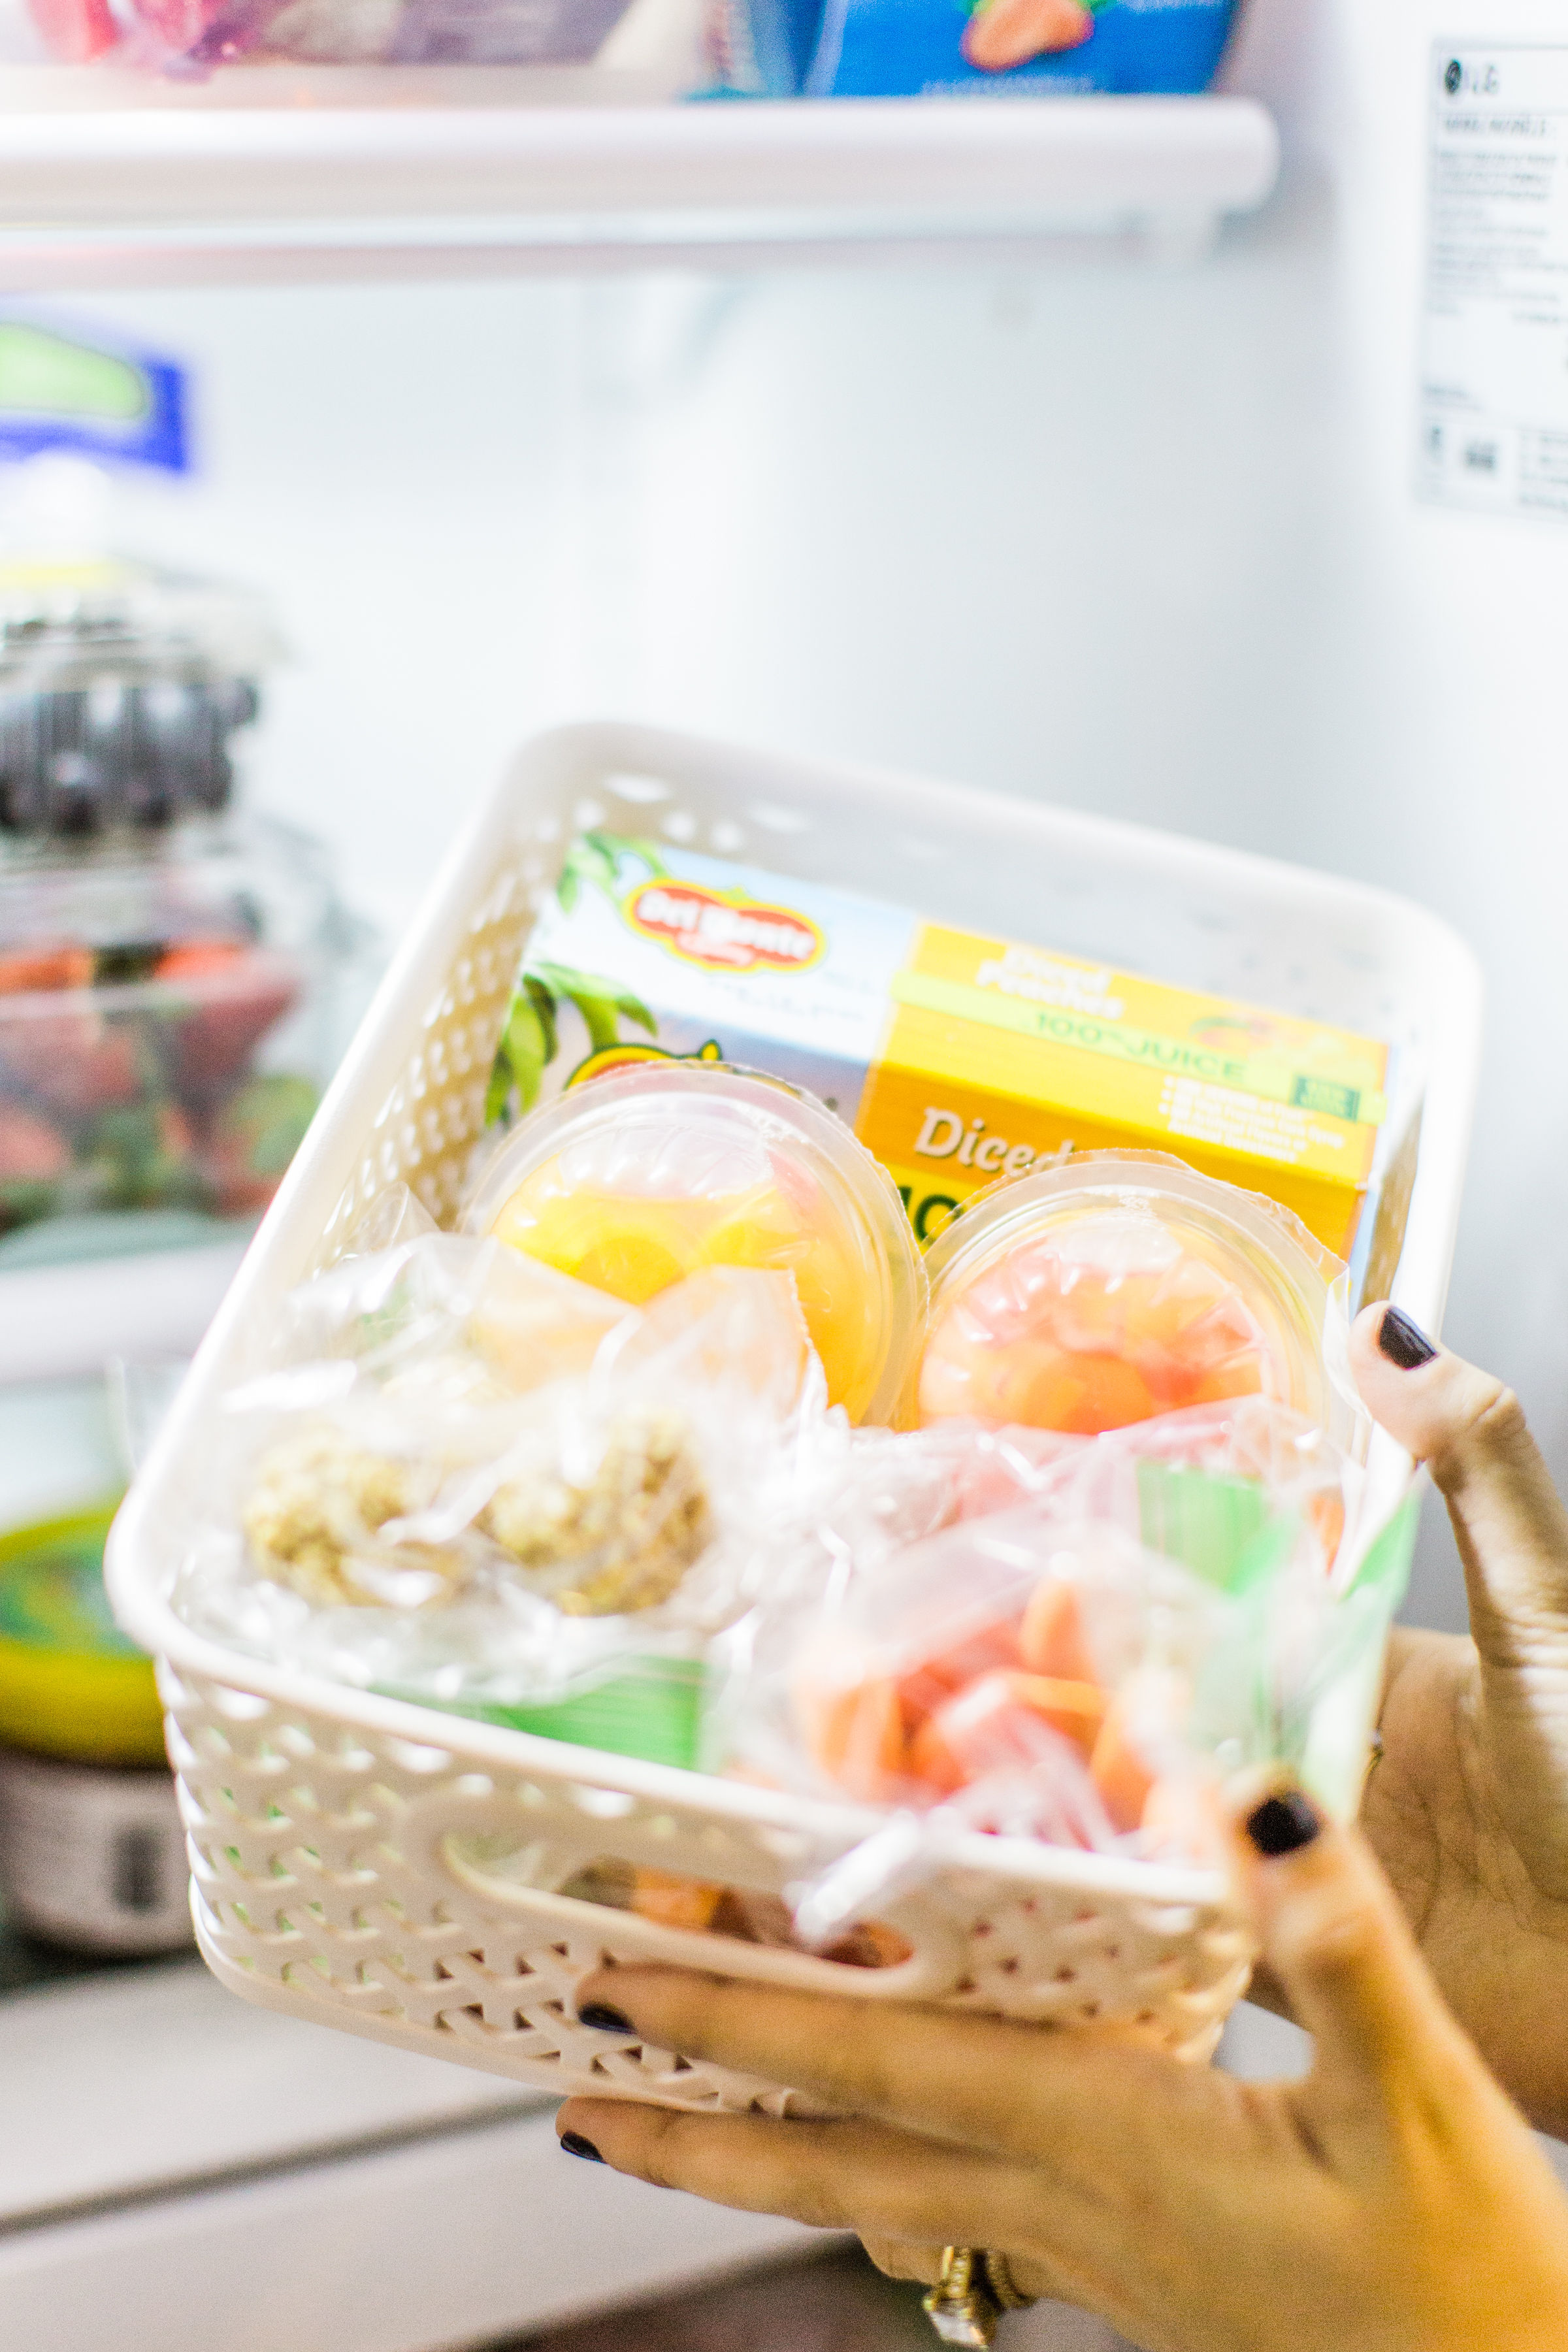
(1283, 1824)
(1402, 1342)
(575, 2145)
(604, 2019)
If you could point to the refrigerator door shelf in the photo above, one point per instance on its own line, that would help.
(286, 173)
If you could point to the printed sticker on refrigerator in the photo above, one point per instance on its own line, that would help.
(1494, 375)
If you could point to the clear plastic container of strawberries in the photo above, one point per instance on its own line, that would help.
(169, 965)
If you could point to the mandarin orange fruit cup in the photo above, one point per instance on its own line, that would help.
(632, 1182)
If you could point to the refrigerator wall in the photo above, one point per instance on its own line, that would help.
(1138, 536)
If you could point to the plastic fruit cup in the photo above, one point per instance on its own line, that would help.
(632, 1182)
(1120, 1286)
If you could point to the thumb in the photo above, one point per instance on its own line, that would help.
(1457, 2217)
(1509, 1521)
(1333, 1935)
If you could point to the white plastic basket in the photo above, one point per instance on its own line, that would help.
(339, 1839)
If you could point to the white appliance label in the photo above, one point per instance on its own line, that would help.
(1494, 377)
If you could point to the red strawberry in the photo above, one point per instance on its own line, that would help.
(235, 996)
(75, 1062)
(47, 968)
(193, 959)
(31, 1151)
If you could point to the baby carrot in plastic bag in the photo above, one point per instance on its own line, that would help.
(1148, 1608)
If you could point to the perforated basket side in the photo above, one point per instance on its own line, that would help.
(425, 1127)
(326, 1880)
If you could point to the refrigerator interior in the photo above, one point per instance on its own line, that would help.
(1138, 533)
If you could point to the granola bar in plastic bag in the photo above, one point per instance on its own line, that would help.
(468, 1479)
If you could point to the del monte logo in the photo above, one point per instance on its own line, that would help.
(725, 931)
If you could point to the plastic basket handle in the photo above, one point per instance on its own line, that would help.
(433, 1835)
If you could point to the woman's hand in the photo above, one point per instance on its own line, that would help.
(1392, 2200)
(1468, 1810)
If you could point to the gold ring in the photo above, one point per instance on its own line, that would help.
(963, 2306)
(973, 2288)
(1001, 2283)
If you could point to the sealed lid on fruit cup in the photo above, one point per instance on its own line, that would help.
(71, 1686)
(1123, 1285)
(631, 1182)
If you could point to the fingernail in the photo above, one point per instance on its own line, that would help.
(575, 2145)
(1284, 1824)
(1402, 1342)
(604, 2019)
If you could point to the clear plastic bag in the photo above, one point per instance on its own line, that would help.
(1071, 1638)
(472, 1481)
(645, 48)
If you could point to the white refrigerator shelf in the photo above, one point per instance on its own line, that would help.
(276, 173)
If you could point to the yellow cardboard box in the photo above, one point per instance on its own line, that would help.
(997, 1057)
(956, 1057)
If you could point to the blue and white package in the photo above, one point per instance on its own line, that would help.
(90, 395)
(966, 48)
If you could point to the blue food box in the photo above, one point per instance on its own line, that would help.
(966, 48)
